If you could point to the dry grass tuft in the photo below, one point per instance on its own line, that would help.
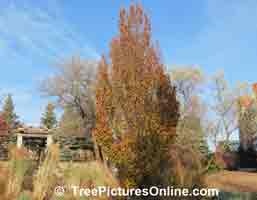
(50, 174)
(87, 175)
(17, 168)
(45, 179)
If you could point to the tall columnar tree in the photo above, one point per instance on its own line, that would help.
(8, 112)
(48, 119)
(136, 106)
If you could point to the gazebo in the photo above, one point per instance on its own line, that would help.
(33, 138)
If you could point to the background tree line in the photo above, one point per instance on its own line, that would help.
(156, 124)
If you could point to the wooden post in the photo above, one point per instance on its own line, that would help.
(19, 140)
(49, 140)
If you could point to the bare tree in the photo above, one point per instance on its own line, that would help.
(73, 84)
(215, 107)
(224, 107)
(189, 81)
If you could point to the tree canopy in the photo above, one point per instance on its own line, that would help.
(73, 86)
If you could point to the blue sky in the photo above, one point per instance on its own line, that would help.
(35, 35)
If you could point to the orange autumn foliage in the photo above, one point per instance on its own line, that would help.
(245, 101)
(254, 86)
(134, 98)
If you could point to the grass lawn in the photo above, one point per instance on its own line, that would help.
(232, 181)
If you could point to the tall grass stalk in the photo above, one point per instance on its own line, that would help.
(45, 179)
(17, 168)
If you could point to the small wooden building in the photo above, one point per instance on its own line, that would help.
(37, 140)
(30, 137)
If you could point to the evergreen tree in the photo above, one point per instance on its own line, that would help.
(48, 119)
(3, 126)
(8, 112)
(71, 123)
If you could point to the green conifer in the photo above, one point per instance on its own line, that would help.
(48, 119)
(8, 112)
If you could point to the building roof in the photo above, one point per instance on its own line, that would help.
(33, 131)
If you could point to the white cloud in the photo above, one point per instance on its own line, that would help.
(35, 32)
(32, 36)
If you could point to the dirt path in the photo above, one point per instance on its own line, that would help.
(233, 181)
